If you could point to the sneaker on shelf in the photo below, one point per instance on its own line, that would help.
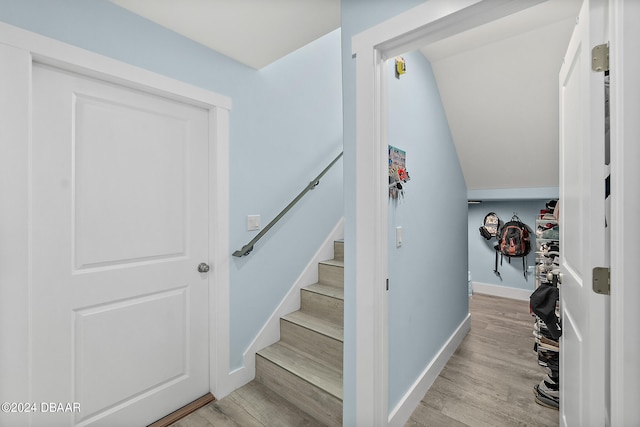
(549, 389)
(551, 371)
(544, 400)
(545, 343)
(540, 329)
(554, 381)
(550, 360)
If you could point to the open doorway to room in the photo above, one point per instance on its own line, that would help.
(387, 48)
(500, 92)
(426, 275)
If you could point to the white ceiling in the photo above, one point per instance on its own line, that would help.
(533, 18)
(498, 82)
(253, 32)
(499, 88)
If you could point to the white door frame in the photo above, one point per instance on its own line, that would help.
(19, 49)
(426, 23)
(625, 209)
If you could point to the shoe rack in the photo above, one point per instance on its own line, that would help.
(547, 348)
(547, 247)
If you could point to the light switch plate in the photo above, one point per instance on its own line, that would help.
(253, 222)
(398, 237)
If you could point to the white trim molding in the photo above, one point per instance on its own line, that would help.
(19, 50)
(14, 226)
(625, 209)
(424, 24)
(219, 278)
(501, 291)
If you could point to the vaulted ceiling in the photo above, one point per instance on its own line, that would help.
(498, 82)
(499, 87)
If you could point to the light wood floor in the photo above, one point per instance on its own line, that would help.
(487, 382)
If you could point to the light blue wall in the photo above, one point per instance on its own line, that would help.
(357, 16)
(285, 126)
(482, 254)
(428, 280)
(294, 130)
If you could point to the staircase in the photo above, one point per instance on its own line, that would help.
(305, 366)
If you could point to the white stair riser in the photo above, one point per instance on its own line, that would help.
(320, 346)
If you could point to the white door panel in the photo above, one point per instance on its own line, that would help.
(582, 225)
(572, 229)
(153, 226)
(119, 225)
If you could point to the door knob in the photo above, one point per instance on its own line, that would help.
(203, 267)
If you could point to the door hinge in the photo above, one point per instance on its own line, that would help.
(602, 280)
(600, 58)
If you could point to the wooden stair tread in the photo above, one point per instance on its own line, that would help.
(252, 405)
(333, 262)
(327, 290)
(316, 324)
(269, 408)
(320, 375)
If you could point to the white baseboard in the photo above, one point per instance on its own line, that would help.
(403, 410)
(501, 291)
(270, 332)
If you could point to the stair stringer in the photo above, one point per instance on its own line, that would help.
(270, 331)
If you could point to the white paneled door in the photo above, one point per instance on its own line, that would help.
(583, 372)
(119, 225)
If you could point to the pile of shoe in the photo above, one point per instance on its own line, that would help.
(547, 260)
(544, 305)
(548, 243)
(547, 392)
(551, 210)
(548, 231)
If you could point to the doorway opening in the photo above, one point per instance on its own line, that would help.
(376, 46)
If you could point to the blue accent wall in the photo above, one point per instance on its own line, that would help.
(482, 254)
(285, 127)
(428, 282)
